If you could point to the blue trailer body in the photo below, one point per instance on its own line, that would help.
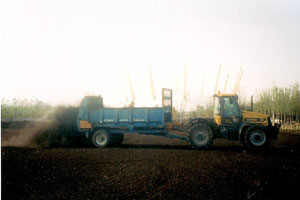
(113, 122)
(133, 119)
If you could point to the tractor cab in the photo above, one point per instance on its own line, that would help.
(227, 111)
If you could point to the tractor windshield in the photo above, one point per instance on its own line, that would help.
(230, 107)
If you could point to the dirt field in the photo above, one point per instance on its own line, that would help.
(152, 168)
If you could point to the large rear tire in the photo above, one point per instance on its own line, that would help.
(200, 136)
(101, 139)
(256, 138)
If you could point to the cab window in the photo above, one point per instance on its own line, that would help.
(217, 110)
(230, 107)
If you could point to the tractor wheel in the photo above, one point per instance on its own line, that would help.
(256, 138)
(117, 139)
(101, 139)
(200, 136)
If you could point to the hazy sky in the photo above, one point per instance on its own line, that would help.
(59, 51)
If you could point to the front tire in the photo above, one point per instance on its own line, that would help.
(101, 139)
(200, 136)
(256, 138)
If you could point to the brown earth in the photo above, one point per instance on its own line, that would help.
(149, 167)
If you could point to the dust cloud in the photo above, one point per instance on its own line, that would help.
(57, 129)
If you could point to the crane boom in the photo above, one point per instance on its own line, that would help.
(218, 77)
(238, 81)
(202, 89)
(226, 82)
(152, 84)
(131, 91)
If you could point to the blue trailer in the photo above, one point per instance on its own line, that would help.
(106, 126)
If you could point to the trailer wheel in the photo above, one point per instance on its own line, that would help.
(101, 138)
(256, 138)
(200, 136)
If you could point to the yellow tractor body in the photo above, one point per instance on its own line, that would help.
(253, 129)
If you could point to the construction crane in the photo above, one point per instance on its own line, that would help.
(217, 81)
(131, 91)
(238, 81)
(226, 82)
(185, 93)
(183, 103)
(125, 93)
(202, 89)
(152, 84)
(124, 80)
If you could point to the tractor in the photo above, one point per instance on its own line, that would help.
(254, 130)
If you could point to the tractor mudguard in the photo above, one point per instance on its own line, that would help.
(242, 126)
(274, 130)
(200, 120)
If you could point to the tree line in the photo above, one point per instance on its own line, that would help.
(280, 103)
(24, 109)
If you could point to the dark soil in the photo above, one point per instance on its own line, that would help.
(148, 167)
